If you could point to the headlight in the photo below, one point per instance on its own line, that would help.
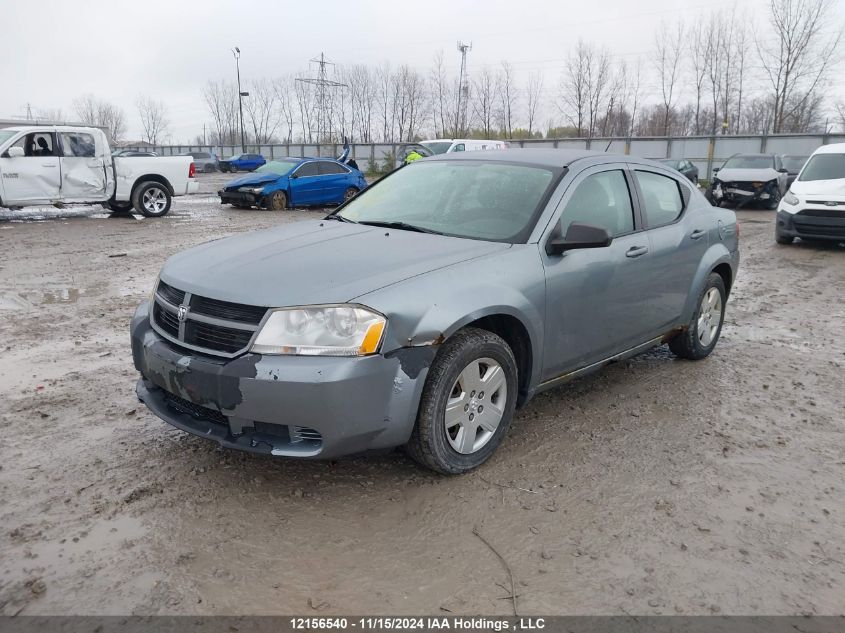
(791, 198)
(252, 190)
(343, 330)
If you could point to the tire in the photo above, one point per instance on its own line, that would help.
(696, 342)
(208, 168)
(433, 442)
(783, 239)
(773, 202)
(151, 199)
(241, 206)
(349, 194)
(120, 208)
(277, 201)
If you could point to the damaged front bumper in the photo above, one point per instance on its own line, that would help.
(295, 406)
(241, 198)
(743, 192)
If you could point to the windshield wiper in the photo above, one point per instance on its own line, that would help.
(400, 225)
(339, 218)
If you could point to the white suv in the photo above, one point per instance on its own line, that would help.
(814, 206)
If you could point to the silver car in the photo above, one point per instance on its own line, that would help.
(425, 310)
(205, 162)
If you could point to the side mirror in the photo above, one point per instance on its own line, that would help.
(293, 176)
(578, 236)
(783, 170)
(13, 152)
(715, 169)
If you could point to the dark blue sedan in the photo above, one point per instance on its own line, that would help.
(242, 162)
(295, 182)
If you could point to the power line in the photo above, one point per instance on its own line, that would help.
(323, 84)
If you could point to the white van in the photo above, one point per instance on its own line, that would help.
(447, 145)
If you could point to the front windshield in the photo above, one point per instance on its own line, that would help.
(671, 163)
(5, 136)
(437, 147)
(794, 164)
(824, 167)
(750, 162)
(278, 167)
(479, 200)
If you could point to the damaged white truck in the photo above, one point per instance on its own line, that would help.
(62, 165)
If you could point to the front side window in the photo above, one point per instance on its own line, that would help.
(601, 200)
(37, 144)
(78, 144)
(492, 201)
(438, 147)
(460, 147)
(661, 198)
(308, 169)
(824, 167)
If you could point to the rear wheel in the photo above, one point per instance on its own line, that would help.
(277, 201)
(151, 199)
(350, 193)
(702, 334)
(467, 403)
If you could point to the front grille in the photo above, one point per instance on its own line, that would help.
(194, 410)
(821, 213)
(167, 321)
(171, 294)
(830, 203)
(216, 337)
(212, 326)
(227, 310)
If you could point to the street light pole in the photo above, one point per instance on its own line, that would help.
(237, 53)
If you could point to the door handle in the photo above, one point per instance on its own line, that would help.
(48, 165)
(636, 251)
(697, 233)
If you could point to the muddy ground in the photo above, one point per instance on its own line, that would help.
(656, 486)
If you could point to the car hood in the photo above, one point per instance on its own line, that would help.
(819, 187)
(747, 175)
(313, 262)
(253, 179)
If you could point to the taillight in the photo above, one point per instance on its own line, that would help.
(192, 171)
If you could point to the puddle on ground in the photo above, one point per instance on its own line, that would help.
(27, 299)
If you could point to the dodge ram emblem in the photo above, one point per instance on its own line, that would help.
(182, 313)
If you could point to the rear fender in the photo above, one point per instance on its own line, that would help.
(717, 254)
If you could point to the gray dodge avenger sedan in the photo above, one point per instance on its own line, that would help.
(422, 312)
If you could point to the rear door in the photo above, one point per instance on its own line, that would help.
(86, 167)
(596, 297)
(334, 180)
(305, 185)
(678, 240)
(34, 177)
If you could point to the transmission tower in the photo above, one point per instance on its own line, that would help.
(324, 86)
(463, 89)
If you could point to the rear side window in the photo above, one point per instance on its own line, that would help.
(326, 168)
(661, 198)
(601, 200)
(78, 144)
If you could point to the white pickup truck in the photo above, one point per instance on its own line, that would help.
(61, 165)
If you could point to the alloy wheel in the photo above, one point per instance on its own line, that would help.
(476, 405)
(154, 200)
(709, 316)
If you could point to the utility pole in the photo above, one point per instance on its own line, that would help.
(237, 53)
(29, 112)
(463, 90)
(323, 83)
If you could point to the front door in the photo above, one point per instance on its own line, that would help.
(34, 177)
(305, 187)
(334, 180)
(595, 297)
(86, 171)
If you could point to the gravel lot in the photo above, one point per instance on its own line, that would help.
(656, 486)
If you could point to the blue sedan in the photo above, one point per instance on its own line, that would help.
(295, 182)
(242, 162)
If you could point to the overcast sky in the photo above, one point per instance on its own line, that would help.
(117, 50)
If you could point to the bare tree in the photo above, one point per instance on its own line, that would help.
(284, 88)
(575, 85)
(698, 58)
(262, 110)
(484, 95)
(668, 50)
(94, 112)
(507, 97)
(445, 118)
(799, 57)
(714, 50)
(636, 80)
(840, 113)
(533, 95)
(154, 120)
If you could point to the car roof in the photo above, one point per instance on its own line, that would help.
(833, 148)
(546, 157)
(752, 155)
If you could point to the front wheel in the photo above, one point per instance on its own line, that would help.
(467, 403)
(699, 339)
(151, 199)
(774, 200)
(277, 201)
(783, 239)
